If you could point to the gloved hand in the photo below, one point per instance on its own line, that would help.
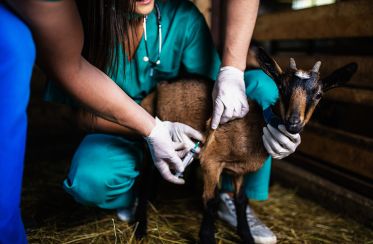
(229, 97)
(163, 151)
(183, 133)
(279, 142)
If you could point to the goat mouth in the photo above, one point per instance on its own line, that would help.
(294, 129)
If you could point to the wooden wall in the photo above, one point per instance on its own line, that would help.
(340, 135)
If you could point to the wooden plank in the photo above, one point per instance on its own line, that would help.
(343, 149)
(343, 19)
(360, 88)
(363, 77)
(345, 179)
(324, 191)
(351, 95)
(345, 116)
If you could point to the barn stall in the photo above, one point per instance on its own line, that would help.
(321, 194)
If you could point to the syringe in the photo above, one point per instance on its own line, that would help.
(189, 158)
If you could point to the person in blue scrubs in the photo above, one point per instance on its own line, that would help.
(16, 62)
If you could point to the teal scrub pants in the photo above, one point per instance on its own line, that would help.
(103, 169)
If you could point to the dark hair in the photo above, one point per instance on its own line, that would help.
(106, 25)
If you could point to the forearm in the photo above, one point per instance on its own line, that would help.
(98, 93)
(58, 34)
(241, 17)
(90, 122)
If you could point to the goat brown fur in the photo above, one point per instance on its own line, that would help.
(235, 146)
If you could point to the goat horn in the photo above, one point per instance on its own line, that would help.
(316, 67)
(292, 64)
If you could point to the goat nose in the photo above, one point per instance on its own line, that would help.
(294, 119)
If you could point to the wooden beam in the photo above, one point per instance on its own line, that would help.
(343, 149)
(324, 191)
(343, 19)
(343, 178)
(360, 88)
(351, 95)
(363, 77)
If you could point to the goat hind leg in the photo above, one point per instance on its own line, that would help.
(240, 201)
(211, 175)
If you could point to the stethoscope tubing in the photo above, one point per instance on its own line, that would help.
(159, 23)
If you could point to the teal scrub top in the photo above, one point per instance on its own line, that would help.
(187, 46)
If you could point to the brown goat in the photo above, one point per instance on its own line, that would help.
(236, 147)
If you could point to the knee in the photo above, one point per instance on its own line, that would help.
(101, 190)
(85, 189)
(103, 171)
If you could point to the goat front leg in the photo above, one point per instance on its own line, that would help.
(240, 201)
(211, 175)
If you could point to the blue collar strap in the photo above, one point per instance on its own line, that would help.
(271, 118)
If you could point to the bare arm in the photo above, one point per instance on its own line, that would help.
(241, 17)
(92, 123)
(58, 33)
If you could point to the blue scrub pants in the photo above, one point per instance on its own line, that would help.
(103, 169)
(17, 54)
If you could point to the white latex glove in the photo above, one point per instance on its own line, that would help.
(183, 133)
(229, 97)
(163, 151)
(279, 142)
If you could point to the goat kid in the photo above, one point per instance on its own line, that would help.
(236, 147)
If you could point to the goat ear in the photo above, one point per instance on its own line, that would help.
(268, 64)
(339, 76)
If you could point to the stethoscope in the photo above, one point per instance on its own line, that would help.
(146, 58)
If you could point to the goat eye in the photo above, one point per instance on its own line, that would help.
(318, 96)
